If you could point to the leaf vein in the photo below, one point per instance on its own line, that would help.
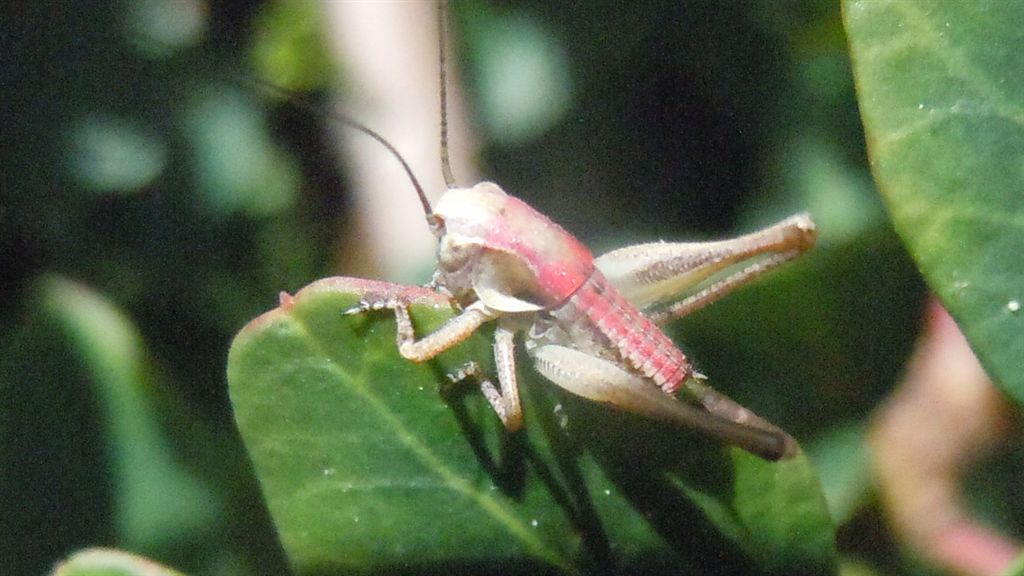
(959, 66)
(485, 501)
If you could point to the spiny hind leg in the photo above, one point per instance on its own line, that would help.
(604, 381)
(655, 273)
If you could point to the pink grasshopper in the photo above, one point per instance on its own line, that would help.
(591, 325)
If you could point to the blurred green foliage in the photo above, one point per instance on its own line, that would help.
(151, 203)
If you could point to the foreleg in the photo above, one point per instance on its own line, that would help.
(504, 401)
(452, 333)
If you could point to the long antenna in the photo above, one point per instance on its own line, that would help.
(442, 40)
(302, 103)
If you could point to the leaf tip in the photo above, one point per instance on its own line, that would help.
(285, 301)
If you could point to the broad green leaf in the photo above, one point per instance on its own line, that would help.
(941, 91)
(369, 462)
(105, 562)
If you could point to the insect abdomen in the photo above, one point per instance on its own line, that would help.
(640, 344)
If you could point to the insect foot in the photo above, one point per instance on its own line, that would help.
(468, 370)
(369, 305)
(504, 402)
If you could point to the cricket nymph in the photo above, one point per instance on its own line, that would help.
(503, 261)
(591, 324)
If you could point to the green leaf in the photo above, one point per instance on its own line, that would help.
(144, 464)
(1015, 569)
(843, 464)
(366, 465)
(85, 453)
(288, 48)
(941, 91)
(104, 562)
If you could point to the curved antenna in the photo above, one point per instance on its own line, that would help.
(301, 102)
(442, 40)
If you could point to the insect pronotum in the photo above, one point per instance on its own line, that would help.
(590, 325)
